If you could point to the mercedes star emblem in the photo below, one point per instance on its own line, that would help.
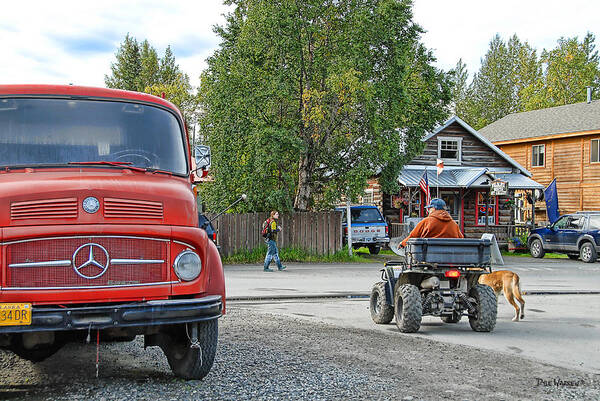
(94, 259)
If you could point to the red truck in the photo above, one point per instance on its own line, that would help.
(99, 229)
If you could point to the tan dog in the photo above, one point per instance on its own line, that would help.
(507, 281)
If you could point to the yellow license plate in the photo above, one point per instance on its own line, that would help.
(15, 314)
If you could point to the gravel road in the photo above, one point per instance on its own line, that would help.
(265, 356)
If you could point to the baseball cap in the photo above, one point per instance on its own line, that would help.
(437, 204)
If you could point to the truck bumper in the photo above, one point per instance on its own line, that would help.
(149, 313)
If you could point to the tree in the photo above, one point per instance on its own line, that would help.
(507, 73)
(138, 68)
(568, 69)
(128, 67)
(303, 101)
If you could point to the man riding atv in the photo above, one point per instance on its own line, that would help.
(438, 224)
(438, 276)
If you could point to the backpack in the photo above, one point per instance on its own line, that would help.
(266, 228)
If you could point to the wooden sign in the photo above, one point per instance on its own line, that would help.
(498, 187)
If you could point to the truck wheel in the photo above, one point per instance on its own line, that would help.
(408, 308)
(455, 318)
(192, 363)
(381, 312)
(588, 253)
(374, 249)
(536, 248)
(486, 308)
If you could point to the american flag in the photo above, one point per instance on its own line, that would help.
(424, 184)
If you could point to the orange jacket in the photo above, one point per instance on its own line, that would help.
(438, 224)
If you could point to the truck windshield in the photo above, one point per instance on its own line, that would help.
(365, 216)
(62, 131)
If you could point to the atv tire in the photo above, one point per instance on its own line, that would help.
(381, 311)
(408, 308)
(486, 308)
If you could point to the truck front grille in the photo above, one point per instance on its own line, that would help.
(86, 262)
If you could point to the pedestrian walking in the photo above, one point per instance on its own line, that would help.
(270, 230)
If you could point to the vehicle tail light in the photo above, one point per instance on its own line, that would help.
(345, 230)
(387, 230)
(214, 236)
(452, 273)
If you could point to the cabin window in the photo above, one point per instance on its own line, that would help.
(449, 149)
(481, 212)
(368, 197)
(537, 155)
(595, 151)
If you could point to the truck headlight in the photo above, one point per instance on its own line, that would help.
(187, 265)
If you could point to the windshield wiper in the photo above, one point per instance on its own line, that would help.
(109, 163)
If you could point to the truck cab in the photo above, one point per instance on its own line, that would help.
(99, 226)
(369, 228)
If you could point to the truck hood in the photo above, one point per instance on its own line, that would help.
(48, 197)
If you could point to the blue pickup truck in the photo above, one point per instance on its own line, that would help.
(369, 228)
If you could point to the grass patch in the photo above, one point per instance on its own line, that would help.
(548, 255)
(257, 256)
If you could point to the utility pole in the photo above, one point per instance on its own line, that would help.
(349, 226)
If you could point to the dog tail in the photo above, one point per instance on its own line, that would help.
(517, 292)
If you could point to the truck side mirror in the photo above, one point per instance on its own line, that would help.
(202, 157)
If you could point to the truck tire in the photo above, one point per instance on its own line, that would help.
(455, 318)
(486, 308)
(536, 248)
(37, 354)
(587, 252)
(192, 363)
(374, 249)
(408, 308)
(381, 311)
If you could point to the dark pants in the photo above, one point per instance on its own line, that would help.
(272, 254)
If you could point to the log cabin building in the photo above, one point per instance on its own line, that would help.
(471, 165)
(560, 142)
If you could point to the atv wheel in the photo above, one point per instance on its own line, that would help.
(455, 318)
(587, 252)
(408, 308)
(486, 308)
(374, 249)
(192, 363)
(536, 248)
(381, 311)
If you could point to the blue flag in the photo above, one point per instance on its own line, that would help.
(551, 196)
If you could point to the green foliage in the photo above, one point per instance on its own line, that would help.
(507, 71)
(138, 68)
(568, 70)
(304, 101)
(513, 79)
(257, 256)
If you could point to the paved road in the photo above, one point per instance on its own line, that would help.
(336, 279)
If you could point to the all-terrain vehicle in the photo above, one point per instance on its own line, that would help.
(438, 277)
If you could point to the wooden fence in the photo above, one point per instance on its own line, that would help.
(317, 232)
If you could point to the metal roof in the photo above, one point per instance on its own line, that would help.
(518, 181)
(463, 177)
(481, 138)
(576, 117)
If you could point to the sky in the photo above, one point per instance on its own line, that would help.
(63, 41)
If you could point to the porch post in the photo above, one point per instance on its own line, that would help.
(533, 208)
